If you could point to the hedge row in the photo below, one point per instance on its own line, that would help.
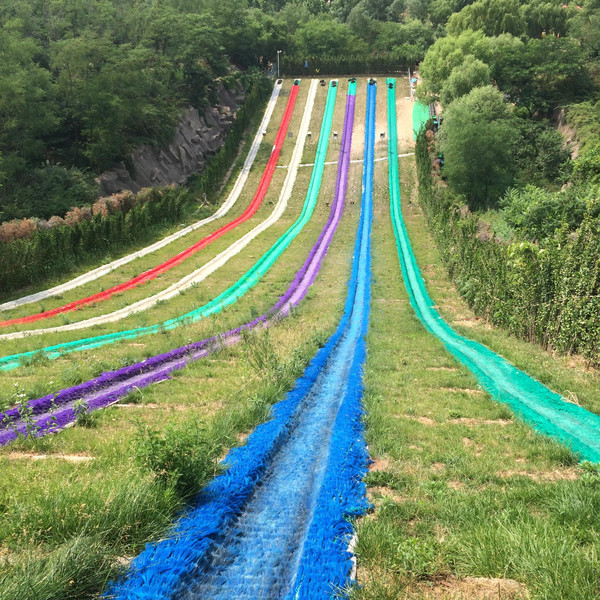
(547, 294)
(51, 252)
(48, 253)
(343, 65)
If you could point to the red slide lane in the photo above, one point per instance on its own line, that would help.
(263, 186)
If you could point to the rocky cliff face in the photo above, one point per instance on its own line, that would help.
(197, 136)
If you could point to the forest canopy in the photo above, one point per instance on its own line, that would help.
(83, 82)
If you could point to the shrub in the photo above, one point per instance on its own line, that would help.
(181, 456)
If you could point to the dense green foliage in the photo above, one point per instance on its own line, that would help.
(536, 74)
(529, 52)
(478, 141)
(547, 292)
(585, 119)
(502, 152)
(537, 214)
(83, 83)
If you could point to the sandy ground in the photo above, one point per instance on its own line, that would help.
(404, 115)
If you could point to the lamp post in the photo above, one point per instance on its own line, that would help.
(278, 53)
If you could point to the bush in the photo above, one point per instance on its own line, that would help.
(181, 456)
(47, 191)
(540, 155)
(587, 166)
(536, 213)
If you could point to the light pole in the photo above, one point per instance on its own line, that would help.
(278, 53)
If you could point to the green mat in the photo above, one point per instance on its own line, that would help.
(420, 116)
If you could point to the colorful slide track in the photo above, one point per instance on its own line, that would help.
(229, 296)
(275, 525)
(545, 410)
(220, 212)
(215, 263)
(154, 272)
(54, 411)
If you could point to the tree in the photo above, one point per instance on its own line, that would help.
(540, 155)
(325, 36)
(448, 53)
(417, 9)
(361, 24)
(410, 39)
(439, 11)
(543, 73)
(27, 109)
(340, 9)
(493, 17)
(478, 139)
(584, 25)
(470, 74)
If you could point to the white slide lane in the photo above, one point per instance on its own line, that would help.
(218, 261)
(222, 211)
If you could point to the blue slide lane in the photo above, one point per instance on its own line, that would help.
(542, 408)
(274, 525)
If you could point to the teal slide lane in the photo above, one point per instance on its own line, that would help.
(543, 409)
(238, 289)
(420, 116)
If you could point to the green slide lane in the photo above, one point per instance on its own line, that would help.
(545, 410)
(420, 116)
(238, 289)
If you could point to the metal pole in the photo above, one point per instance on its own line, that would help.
(278, 53)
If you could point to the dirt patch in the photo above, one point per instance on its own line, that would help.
(469, 443)
(423, 420)
(73, 458)
(390, 300)
(456, 485)
(468, 321)
(470, 391)
(568, 474)
(475, 422)
(438, 467)
(124, 561)
(242, 437)
(473, 588)
(404, 110)
(376, 493)
(442, 369)
(379, 464)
